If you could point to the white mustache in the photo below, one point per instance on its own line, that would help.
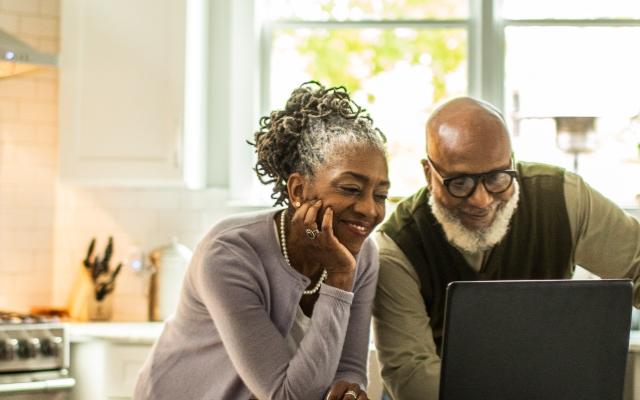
(473, 241)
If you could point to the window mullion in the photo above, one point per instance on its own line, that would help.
(486, 51)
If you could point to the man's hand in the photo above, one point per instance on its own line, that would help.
(343, 390)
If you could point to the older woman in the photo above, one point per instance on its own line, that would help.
(277, 304)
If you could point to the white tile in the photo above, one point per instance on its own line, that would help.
(41, 197)
(35, 285)
(159, 199)
(45, 73)
(16, 261)
(50, 7)
(37, 111)
(47, 90)
(49, 45)
(8, 110)
(20, 6)
(43, 218)
(130, 309)
(9, 23)
(26, 241)
(172, 221)
(203, 199)
(18, 87)
(39, 26)
(31, 40)
(11, 177)
(47, 135)
(115, 199)
(189, 238)
(43, 261)
(17, 218)
(46, 156)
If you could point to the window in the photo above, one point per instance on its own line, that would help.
(550, 66)
(573, 90)
(398, 58)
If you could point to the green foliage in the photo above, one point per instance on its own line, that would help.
(398, 9)
(349, 56)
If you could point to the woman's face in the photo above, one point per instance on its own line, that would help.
(354, 183)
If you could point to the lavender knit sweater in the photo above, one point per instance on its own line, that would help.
(238, 302)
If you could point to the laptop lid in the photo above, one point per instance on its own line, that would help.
(551, 339)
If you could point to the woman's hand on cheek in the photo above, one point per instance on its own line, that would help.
(324, 248)
(343, 390)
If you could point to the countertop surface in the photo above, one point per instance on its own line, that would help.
(634, 342)
(148, 332)
(123, 332)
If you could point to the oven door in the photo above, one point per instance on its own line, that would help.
(47, 389)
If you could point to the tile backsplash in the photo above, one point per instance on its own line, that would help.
(28, 161)
(46, 225)
(139, 220)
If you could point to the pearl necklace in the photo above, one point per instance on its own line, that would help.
(283, 243)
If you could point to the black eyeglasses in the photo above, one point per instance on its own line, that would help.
(464, 185)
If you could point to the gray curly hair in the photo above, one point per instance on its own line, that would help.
(315, 123)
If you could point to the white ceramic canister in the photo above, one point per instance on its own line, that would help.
(170, 262)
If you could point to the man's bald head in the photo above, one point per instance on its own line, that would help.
(465, 128)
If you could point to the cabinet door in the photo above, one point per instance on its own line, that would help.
(124, 362)
(122, 91)
(106, 370)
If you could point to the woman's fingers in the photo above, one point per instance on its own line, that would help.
(354, 392)
(337, 390)
(311, 216)
(343, 390)
(301, 212)
(327, 222)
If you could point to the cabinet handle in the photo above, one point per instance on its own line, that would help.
(50, 385)
(178, 153)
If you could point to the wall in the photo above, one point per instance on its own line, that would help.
(28, 161)
(139, 221)
(46, 225)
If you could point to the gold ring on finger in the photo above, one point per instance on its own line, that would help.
(351, 393)
(312, 233)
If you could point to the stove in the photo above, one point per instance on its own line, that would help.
(34, 358)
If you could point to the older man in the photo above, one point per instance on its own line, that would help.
(482, 216)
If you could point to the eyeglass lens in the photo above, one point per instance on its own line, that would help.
(494, 182)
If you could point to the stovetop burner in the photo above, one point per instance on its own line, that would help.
(15, 318)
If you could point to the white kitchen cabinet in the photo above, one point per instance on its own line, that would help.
(123, 90)
(105, 370)
(106, 358)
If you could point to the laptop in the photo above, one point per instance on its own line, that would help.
(551, 339)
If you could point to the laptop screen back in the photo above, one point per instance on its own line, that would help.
(562, 339)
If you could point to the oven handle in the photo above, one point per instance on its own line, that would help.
(48, 385)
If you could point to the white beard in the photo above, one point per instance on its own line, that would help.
(473, 241)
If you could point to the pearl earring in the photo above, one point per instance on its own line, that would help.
(297, 204)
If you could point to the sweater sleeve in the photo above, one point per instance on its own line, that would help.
(607, 240)
(353, 361)
(405, 347)
(229, 285)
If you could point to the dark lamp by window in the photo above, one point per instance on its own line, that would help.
(575, 135)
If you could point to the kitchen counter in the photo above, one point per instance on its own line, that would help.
(634, 342)
(116, 332)
(124, 346)
(148, 332)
